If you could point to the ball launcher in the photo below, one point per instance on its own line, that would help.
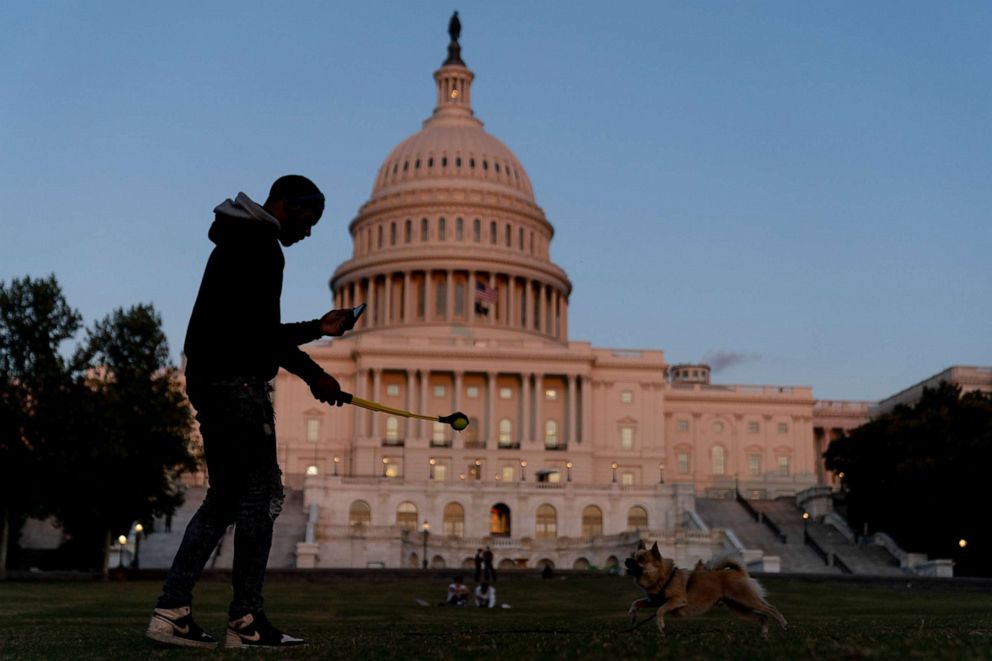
(457, 420)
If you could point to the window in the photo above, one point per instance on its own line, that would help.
(460, 299)
(683, 463)
(439, 391)
(550, 434)
(313, 430)
(454, 520)
(505, 433)
(440, 473)
(507, 474)
(459, 229)
(505, 393)
(627, 479)
(637, 518)
(472, 392)
(392, 429)
(717, 427)
(719, 460)
(392, 468)
(406, 516)
(425, 229)
(547, 522)
(626, 397)
(554, 477)
(440, 299)
(392, 234)
(754, 464)
(359, 514)
(753, 428)
(520, 238)
(311, 470)
(441, 231)
(627, 438)
(378, 235)
(783, 464)
(508, 236)
(683, 425)
(393, 390)
(437, 436)
(492, 232)
(408, 231)
(551, 394)
(592, 521)
(783, 428)
(476, 230)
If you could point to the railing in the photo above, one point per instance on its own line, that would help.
(515, 445)
(556, 448)
(828, 557)
(393, 442)
(760, 517)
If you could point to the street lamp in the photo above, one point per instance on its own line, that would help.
(523, 470)
(805, 524)
(962, 542)
(122, 542)
(385, 464)
(138, 529)
(427, 532)
(614, 466)
(432, 462)
(337, 460)
(568, 466)
(661, 472)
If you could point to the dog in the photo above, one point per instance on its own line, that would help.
(685, 593)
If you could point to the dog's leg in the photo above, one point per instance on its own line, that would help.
(771, 610)
(746, 597)
(743, 612)
(671, 605)
(632, 611)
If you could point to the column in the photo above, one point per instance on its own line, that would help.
(538, 321)
(491, 431)
(408, 313)
(511, 300)
(538, 399)
(471, 296)
(387, 316)
(586, 430)
(428, 295)
(571, 437)
(564, 319)
(495, 306)
(545, 310)
(361, 379)
(376, 383)
(449, 297)
(423, 401)
(410, 429)
(525, 407)
(370, 298)
(456, 398)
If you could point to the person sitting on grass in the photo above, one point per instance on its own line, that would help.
(457, 593)
(485, 596)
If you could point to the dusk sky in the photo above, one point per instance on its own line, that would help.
(798, 190)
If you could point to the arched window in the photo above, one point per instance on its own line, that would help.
(392, 234)
(408, 231)
(378, 239)
(476, 230)
(492, 232)
(360, 514)
(499, 520)
(442, 232)
(719, 460)
(547, 522)
(508, 235)
(505, 433)
(454, 520)
(425, 229)
(392, 429)
(550, 434)
(406, 515)
(459, 229)
(592, 521)
(637, 518)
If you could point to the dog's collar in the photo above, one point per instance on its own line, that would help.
(658, 598)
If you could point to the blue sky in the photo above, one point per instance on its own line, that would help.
(803, 187)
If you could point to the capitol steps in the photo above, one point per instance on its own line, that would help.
(159, 547)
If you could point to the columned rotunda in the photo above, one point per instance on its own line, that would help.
(573, 451)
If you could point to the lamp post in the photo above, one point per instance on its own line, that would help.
(432, 462)
(427, 532)
(138, 530)
(614, 466)
(661, 472)
(568, 467)
(385, 465)
(805, 524)
(337, 460)
(121, 542)
(523, 470)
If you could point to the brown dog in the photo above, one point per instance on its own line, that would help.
(685, 593)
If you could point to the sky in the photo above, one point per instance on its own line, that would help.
(797, 192)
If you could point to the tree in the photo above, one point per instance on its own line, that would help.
(918, 473)
(132, 435)
(35, 320)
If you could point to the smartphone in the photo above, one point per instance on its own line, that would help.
(356, 312)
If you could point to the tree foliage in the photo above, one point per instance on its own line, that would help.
(98, 442)
(918, 473)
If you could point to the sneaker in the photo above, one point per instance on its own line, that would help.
(175, 626)
(255, 630)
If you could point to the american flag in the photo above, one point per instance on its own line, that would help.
(485, 293)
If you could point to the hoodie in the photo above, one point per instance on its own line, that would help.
(235, 328)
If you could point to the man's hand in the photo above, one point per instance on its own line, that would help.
(336, 322)
(327, 389)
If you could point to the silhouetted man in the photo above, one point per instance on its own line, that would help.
(235, 345)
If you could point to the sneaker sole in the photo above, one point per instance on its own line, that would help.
(166, 639)
(233, 641)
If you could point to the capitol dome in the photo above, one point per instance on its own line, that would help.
(452, 233)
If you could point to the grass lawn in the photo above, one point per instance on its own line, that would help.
(573, 618)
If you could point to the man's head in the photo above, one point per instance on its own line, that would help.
(297, 204)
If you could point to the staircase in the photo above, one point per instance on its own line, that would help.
(159, 547)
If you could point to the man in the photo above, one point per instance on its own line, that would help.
(478, 564)
(457, 593)
(235, 344)
(485, 596)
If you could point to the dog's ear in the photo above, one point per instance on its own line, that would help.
(640, 545)
(655, 552)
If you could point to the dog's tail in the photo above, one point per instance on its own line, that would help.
(729, 564)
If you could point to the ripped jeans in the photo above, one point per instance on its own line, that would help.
(245, 489)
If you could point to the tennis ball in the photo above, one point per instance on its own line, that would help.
(459, 423)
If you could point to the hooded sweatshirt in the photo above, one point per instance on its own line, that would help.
(235, 328)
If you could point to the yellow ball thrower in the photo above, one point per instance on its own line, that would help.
(457, 420)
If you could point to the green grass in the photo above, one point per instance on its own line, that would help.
(573, 618)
